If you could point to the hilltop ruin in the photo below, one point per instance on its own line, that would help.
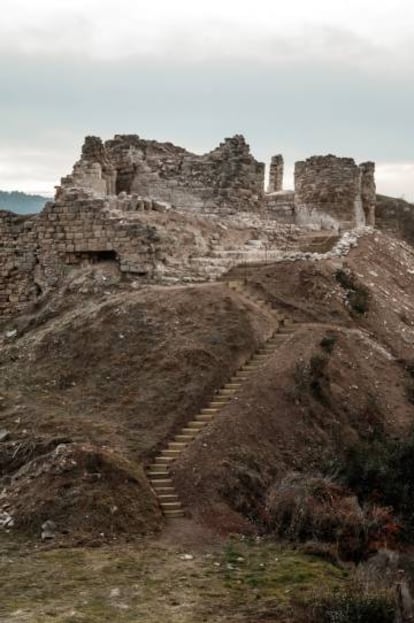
(165, 215)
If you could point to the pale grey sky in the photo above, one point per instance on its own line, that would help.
(299, 77)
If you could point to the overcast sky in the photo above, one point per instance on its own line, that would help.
(300, 77)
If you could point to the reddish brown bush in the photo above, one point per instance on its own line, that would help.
(306, 508)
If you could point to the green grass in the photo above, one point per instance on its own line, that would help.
(149, 582)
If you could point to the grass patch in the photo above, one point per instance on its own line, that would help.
(151, 582)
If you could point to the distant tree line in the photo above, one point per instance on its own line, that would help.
(21, 203)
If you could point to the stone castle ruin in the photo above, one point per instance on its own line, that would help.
(331, 192)
(165, 215)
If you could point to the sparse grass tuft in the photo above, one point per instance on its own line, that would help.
(354, 606)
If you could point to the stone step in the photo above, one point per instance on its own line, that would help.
(196, 424)
(226, 392)
(205, 417)
(171, 506)
(275, 342)
(232, 386)
(177, 445)
(168, 497)
(209, 411)
(170, 452)
(174, 514)
(157, 474)
(168, 458)
(190, 431)
(162, 483)
(186, 439)
(164, 490)
(237, 378)
(216, 404)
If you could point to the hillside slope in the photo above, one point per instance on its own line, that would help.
(105, 371)
(21, 203)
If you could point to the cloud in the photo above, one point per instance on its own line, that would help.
(396, 179)
(202, 30)
(301, 78)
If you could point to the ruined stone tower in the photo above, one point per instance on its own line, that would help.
(276, 174)
(334, 192)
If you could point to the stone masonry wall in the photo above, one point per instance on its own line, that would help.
(368, 191)
(18, 260)
(227, 177)
(78, 227)
(276, 174)
(334, 192)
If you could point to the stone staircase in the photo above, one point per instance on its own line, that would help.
(158, 472)
(220, 259)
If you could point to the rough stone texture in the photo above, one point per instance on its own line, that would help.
(149, 241)
(227, 177)
(281, 206)
(334, 192)
(368, 191)
(276, 174)
(17, 261)
(164, 215)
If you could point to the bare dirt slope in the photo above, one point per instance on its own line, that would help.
(109, 372)
(343, 376)
(116, 369)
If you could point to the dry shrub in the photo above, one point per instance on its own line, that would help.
(354, 605)
(306, 508)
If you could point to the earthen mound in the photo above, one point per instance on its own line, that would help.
(81, 493)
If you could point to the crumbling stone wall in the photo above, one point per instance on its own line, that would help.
(334, 192)
(113, 207)
(227, 177)
(368, 191)
(276, 174)
(18, 260)
(280, 206)
(79, 227)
